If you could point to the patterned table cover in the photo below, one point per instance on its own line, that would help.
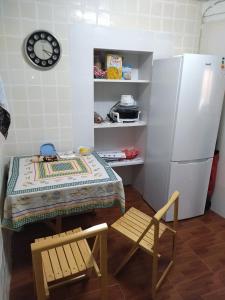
(39, 191)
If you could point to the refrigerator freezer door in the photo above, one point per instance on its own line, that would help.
(191, 180)
(200, 103)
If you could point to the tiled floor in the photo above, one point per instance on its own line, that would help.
(199, 273)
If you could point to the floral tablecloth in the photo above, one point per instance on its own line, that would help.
(39, 191)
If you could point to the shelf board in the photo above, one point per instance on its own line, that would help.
(116, 125)
(121, 81)
(127, 162)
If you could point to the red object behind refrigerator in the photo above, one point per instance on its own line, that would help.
(212, 179)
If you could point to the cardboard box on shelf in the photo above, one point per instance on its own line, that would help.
(114, 66)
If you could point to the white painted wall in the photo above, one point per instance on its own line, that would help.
(213, 42)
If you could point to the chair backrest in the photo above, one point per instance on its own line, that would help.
(173, 200)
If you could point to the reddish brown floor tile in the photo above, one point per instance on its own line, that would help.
(216, 295)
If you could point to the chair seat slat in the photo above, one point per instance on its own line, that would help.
(49, 274)
(63, 261)
(83, 247)
(69, 256)
(133, 220)
(141, 219)
(140, 214)
(130, 226)
(124, 222)
(43, 238)
(61, 257)
(55, 264)
(147, 246)
(138, 217)
(71, 260)
(77, 255)
(124, 231)
(146, 219)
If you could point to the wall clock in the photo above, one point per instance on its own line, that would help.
(42, 49)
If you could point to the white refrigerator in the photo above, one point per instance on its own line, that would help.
(185, 108)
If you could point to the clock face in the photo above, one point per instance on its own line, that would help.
(42, 49)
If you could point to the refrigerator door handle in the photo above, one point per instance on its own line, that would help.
(192, 161)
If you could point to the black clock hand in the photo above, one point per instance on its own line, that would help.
(42, 47)
(48, 52)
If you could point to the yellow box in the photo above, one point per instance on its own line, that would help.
(114, 66)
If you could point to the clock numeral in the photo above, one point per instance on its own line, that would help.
(36, 37)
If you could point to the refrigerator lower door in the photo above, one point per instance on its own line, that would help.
(191, 179)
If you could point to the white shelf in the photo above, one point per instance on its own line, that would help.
(121, 81)
(116, 125)
(127, 162)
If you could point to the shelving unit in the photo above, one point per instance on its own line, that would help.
(89, 94)
(120, 81)
(117, 125)
(127, 162)
(117, 136)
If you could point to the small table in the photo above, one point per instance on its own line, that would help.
(45, 190)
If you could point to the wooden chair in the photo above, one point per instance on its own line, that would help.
(145, 233)
(66, 257)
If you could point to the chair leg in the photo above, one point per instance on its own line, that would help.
(40, 286)
(154, 274)
(58, 224)
(174, 248)
(95, 249)
(156, 284)
(126, 259)
(103, 265)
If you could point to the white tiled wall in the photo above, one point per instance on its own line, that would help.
(40, 101)
(212, 30)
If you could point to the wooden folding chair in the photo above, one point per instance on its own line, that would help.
(67, 257)
(145, 233)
